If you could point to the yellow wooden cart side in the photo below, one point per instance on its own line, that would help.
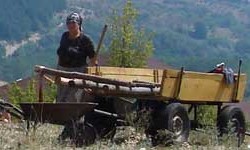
(195, 86)
(189, 86)
(128, 74)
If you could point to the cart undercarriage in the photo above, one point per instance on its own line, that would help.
(119, 91)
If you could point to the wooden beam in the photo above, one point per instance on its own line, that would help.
(40, 87)
(94, 78)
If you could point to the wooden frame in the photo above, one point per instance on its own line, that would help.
(183, 86)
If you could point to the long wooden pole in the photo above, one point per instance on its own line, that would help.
(104, 30)
(97, 79)
(101, 39)
(40, 87)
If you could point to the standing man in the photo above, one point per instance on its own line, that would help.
(75, 47)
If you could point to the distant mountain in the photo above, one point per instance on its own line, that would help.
(196, 34)
(21, 17)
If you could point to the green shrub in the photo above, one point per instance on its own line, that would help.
(29, 94)
(207, 115)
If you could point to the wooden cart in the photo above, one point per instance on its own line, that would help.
(163, 92)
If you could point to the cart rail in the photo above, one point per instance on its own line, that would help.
(169, 84)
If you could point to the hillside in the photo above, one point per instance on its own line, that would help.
(190, 33)
(19, 18)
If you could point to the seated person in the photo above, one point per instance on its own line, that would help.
(226, 71)
(219, 68)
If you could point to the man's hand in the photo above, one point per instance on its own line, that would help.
(93, 61)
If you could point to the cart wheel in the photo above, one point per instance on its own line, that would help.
(80, 133)
(231, 120)
(85, 135)
(174, 118)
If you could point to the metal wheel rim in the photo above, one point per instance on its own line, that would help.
(237, 130)
(235, 124)
(177, 125)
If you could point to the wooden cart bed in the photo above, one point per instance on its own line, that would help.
(168, 84)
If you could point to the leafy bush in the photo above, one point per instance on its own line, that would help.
(29, 94)
(207, 115)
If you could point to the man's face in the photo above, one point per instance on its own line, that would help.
(73, 27)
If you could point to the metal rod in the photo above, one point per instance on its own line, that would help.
(195, 113)
(218, 110)
(106, 113)
(190, 108)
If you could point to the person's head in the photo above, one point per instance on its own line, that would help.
(74, 22)
(221, 65)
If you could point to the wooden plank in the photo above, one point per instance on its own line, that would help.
(111, 90)
(200, 87)
(130, 78)
(208, 87)
(242, 87)
(169, 82)
(129, 74)
(125, 71)
(53, 72)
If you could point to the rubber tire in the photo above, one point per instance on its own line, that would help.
(85, 136)
(227, 114)
(163, 119)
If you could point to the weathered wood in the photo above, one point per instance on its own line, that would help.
(247, 133)
(97, 79)
(209, 87)
(107, 89)
(179, 82)
(128, 74)
(234, 98)
(104, 30)
(115, 81)
(40, 87)
(49, 79)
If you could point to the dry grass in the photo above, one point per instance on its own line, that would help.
(14, 136)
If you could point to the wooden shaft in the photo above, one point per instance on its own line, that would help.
(108, 87)
(49, 79)
(112, 90)
(101, 39)
(40, 88)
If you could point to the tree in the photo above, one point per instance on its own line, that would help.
(129, 47)
(19, 94)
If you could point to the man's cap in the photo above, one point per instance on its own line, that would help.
(74, 17)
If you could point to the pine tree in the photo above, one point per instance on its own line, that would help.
(129, 47)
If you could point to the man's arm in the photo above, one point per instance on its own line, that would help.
(61, 51)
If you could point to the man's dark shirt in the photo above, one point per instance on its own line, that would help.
(73, 52)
